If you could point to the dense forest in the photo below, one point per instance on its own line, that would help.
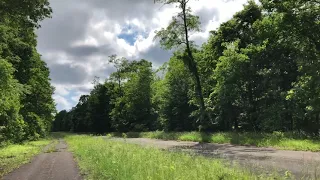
(26, 105)
(259, 71)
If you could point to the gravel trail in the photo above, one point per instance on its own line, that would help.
(56, 164)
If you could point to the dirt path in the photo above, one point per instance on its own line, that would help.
(304, 165)
(57, 164)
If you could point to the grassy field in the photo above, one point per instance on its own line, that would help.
(279, 140)
(12, 156)
(101, 158)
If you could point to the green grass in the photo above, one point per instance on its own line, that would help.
(12, 156)
(100, 158)
(279, 140)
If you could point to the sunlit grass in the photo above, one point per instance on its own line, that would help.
(107, 159)
(12, 156)
(279, 140)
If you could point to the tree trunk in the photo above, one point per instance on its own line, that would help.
(199, 89)
(192, 66)
(119, 84)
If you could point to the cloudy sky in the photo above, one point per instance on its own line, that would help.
(78, 39)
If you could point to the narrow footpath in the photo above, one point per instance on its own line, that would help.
(56, 163)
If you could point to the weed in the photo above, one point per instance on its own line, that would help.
(107, 159)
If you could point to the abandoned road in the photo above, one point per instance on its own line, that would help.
(304, 165)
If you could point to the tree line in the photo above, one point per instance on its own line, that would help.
(26, 105)
(259, 71)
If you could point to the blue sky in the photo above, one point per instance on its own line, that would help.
(129, 38)
(129, 34)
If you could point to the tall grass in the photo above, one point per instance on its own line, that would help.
(13, 156)
(107, 159)
(279, 140)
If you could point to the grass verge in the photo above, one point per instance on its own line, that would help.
(279, 140)
(99, 158)
(12, 156)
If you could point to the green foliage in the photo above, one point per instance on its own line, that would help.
(122, 103)
(26, 105)
(27, 13)
(175, 107)
(10, 91)
(99, 104)
(107, 159)
(229, 74)
(132, 109)
(176, 34)
(59, 121)
(91, 114)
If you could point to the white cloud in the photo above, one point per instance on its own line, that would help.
(89, 41)
(76, 42)
(62, 102)
(61, 90)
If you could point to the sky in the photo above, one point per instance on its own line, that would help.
(77, 41)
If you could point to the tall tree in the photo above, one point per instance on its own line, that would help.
(38, 103)
(58, 122)
(120, 64)
(132, 111)
(18, 47)
(298, 24)
(81, 118)
(100, 107)
(25, 13)
(177, 34)
(177, 108)
(11, 122)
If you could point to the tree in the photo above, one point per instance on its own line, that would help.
(120, 64)
(177, 34)
(230, 75)
(298, 23)
(58, 122)
(11, 122)
(177, 108)
(38, 103)
(81, 118)
(99, 104)
(132, 111)
(18, 48)
(25, 13)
